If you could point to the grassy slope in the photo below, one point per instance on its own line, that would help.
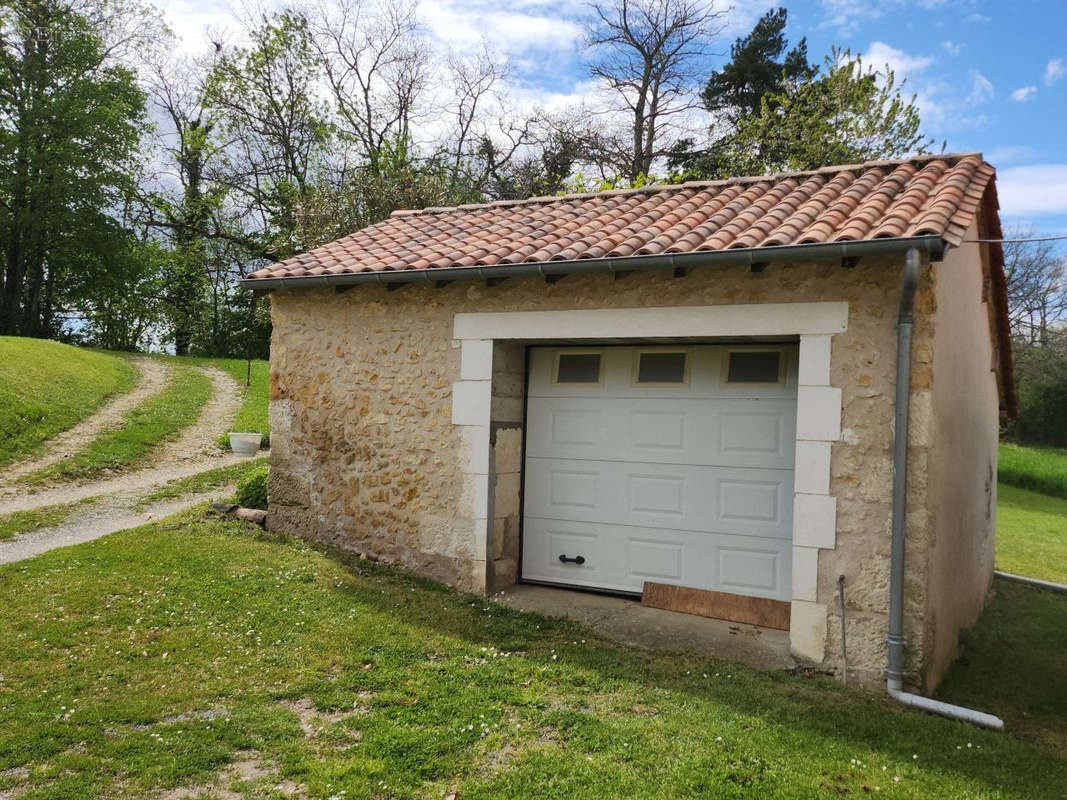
(157, 419)
(1041, 469)
(47, 387)
(1031, 534)
(152, 658)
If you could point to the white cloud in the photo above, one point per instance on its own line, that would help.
(953, 48)
(1009, 154)
(1054, 70)
(1024, 93)
(513, 31)
(976, 17)
(848, 15)
(1034, 189)
(880, 55)
(192, 19)
(981, 88)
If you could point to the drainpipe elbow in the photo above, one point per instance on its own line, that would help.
(979, 718)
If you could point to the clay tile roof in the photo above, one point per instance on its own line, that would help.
(932, 195)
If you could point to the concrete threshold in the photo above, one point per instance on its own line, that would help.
(626, 621)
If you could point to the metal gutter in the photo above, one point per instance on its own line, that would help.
(895, 641)
(931, 245)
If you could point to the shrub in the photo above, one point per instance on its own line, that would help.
(252, 489)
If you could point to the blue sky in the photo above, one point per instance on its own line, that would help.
(990, 75)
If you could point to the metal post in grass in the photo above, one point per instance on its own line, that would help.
(248, 338)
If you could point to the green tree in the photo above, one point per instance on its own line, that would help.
(71, 120)
(848, 114)
(774, 111)
(759, 65)
(189, 213)
(124, 302)
(277, 129)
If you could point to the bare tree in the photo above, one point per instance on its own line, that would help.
(376, 66)
(651, 55)
(1037, 287)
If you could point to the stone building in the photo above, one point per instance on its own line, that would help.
(687, 386)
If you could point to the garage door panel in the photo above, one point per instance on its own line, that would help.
(737, 501)
(743, 433)
(622, 558)
(689, 483)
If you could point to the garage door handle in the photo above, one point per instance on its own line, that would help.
(576, 560)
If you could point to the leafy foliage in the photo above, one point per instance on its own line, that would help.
(849, 114)
(72, 120)
(775, 112)
(759, 66)
(252, 488)
(1041, 388)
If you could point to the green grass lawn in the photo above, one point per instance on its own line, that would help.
(168, 656)
(1031, 534)
(1014, 664)
(1041, 469)
(157, 419)
(47, 387)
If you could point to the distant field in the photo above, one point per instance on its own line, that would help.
(47, 387)
(1031, 534)
(1032, 512)
(1040, 469)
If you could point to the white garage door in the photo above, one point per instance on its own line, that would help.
(666, 464)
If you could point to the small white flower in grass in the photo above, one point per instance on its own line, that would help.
(915, 756)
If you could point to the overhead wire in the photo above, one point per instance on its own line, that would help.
(1056, 238)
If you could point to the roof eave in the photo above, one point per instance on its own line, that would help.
(932, 245)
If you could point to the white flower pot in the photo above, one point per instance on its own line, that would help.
(245, 444)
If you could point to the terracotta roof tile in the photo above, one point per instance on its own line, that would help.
(932, 195)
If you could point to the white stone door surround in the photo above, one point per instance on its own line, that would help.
(818, 412)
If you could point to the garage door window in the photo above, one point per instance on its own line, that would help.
(754, 366)
(578, 368)
(659, 366)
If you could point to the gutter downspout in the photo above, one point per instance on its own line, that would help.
(895, 640)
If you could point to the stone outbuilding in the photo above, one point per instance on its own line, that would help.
(687, 391)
